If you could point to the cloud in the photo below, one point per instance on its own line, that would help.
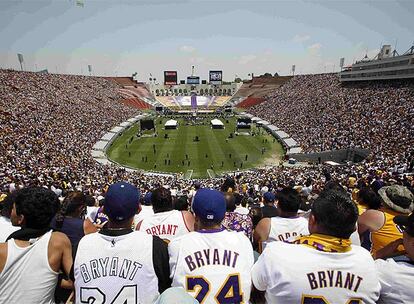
(301, 38)
(187, 49)
(315, 48)
(246, 59)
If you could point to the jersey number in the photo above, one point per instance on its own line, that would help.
(93, 295)
(308, 299)
(228, 293)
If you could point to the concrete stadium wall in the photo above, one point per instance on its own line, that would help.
(338, 156)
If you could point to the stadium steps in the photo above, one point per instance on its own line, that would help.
(250, 102)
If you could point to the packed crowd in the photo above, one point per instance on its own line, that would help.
(49, 179)
(322, 114)
(50, 122)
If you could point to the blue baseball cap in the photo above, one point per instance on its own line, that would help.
(121, 201)
(209, 205)
(147, 198)
(269, 197)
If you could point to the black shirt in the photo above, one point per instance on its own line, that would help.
(269, 211)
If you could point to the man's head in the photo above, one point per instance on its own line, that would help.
(268, 198)
(34, 208)
(368, 197)
(161, 200)
(288, 200)
(121, 203)
(209, 207)
(406, 224)
(230, 201)
(333, 213)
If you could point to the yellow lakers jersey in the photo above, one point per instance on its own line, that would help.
(388, 233)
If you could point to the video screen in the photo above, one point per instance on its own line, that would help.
(147, 124)
(170, 77)
(193, 80)
(216, 77)
(244, 123)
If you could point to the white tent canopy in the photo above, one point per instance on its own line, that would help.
(171, 123)
(216, 122)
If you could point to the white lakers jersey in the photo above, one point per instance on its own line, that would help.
(114, 270)
(282, 229)
(167, 225)
(213, 266)
(397, 281)
(293, 273)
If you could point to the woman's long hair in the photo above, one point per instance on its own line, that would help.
(69, 205)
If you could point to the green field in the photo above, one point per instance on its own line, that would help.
(211, 153)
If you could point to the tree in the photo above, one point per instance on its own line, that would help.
(238, 79)
(276, 74)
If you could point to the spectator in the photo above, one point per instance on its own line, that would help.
(299, 266)
(398, 200)
(235, 221)
(397, 277)
(6, 227)
(198, 257)
(166, 222)
(133, 265)
(284, 226)
(269, 209)
(31, 259)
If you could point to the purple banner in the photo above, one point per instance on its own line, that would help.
(194, 101)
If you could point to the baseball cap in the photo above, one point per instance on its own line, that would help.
(121, 201)
(147, 198)
(406, 223)
(209, 205)
(269, 197)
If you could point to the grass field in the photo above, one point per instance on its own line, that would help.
(214, 152)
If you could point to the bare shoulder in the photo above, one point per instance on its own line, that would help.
(3, 255)
(3, 249)
(371, 214)
(59, 239)
(264, 221)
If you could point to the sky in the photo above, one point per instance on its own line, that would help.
(118, 38)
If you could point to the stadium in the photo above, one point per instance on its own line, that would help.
(297, 165)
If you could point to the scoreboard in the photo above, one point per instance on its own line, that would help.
(216, 77)
(170, 77)
(193, 80)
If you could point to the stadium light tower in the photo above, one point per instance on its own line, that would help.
(20, 58)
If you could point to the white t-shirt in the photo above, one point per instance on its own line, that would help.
(213, 266)
(167, 225)
(241, 210)
(397, 281)
(292, 273)
(6, 228)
